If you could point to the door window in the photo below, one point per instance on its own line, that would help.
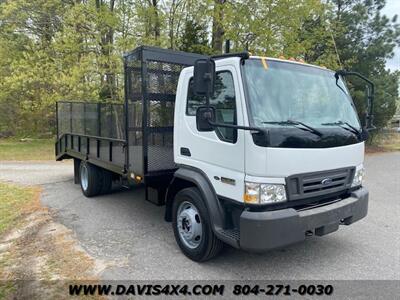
(223, 101)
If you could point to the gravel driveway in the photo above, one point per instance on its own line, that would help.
(130, 235)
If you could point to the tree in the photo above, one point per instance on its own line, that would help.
(72, 49)
(268, 27)
(217, 26)
(175, 14)
(194, 38)
(367, 41)
(28, 29)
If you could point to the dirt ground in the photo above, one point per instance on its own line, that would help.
(40, 257)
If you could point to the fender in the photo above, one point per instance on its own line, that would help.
(187, 176)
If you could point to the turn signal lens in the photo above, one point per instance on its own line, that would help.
(251, 193)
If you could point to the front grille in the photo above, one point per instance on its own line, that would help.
(309, 185)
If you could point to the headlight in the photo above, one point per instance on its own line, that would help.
(264, 193)
(358, 178)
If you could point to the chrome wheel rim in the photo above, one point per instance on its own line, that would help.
(84, 177)
(189, 225)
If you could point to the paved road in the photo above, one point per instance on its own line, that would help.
(124, 229)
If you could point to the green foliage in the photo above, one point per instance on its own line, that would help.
(194, 38)
(72, 50)
(368, 39)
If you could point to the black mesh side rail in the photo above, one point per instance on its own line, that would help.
(93, 131)
(95, 119)
(162, 80)
(152, 76)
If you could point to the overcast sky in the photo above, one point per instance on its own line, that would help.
(393, 8)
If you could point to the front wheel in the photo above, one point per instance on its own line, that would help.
(191, 225)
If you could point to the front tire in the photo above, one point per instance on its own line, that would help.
(192, 228)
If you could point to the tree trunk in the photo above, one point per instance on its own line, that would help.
(157, 25)
(108, 81)
(217, 29)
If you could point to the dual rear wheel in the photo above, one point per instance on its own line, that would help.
(94, 180)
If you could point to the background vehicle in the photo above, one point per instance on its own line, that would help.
(253, 152)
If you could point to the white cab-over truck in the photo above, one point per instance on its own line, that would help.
(253, 152)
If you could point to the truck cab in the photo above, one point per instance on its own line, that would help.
(288, 164)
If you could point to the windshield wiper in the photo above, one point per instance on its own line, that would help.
(342, 124)
(296, 123)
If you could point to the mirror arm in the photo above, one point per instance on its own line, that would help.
(235, 126)
(370, 95)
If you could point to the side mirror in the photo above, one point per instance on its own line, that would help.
(370, 96)
(204, 77)
(205, 115)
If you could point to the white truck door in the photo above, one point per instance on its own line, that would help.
(220, 153)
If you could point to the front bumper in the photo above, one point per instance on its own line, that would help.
(261, 231)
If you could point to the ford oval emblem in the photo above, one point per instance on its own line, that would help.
(326, 181)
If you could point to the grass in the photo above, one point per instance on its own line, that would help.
(15, 202)
(35, 149)
(388, 141)
(36, 250)
(7, 288)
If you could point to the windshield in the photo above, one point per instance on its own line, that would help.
(281, 91)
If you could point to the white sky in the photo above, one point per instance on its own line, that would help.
(392, 8)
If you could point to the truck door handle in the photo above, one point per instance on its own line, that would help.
(185, 151)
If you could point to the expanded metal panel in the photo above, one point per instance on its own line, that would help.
(145, 121)
(105, 121)
(78, 118)
(95, 119)
(75, 140)
(112, 121)
(63, 117)
(135, 111)
(133, 72)
(118, 121)
(152, 76)
(160, 114)
(162, 80)
(91, 118)
(160, 151)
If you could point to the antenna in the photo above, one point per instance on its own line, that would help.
(334, 44)
(227, 46)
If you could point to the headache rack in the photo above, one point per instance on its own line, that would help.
(134, 138)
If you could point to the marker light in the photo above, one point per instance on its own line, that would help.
(358, 178)
(252, 193)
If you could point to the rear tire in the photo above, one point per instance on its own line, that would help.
(90, 178)
(192, 228)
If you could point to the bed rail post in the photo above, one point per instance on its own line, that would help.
(126, 115)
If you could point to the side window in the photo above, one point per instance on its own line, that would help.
(223, 101)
